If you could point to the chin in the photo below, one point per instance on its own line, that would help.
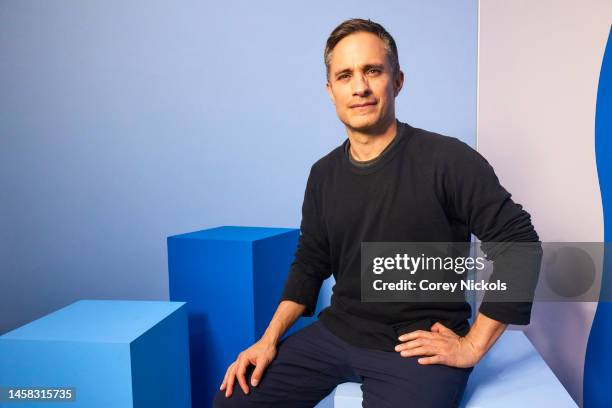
(363, 122)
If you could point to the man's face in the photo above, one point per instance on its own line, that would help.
(362, 84)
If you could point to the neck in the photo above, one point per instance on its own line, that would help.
(368, 145)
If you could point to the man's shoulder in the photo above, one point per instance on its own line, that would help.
(439, 143)
(440, 149)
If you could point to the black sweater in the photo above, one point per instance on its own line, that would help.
(425, 188)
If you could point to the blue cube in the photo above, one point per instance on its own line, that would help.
(110, 353)
(232, 279)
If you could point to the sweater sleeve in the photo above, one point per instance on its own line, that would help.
(477, 198)
(311, 265)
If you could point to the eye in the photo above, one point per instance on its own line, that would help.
(343, 76)
(374, 71)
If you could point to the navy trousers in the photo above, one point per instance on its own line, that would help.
(313, 361)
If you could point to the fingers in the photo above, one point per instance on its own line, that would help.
(241, 374)
(421, 343)
(419, 351)
(417, 334)
(437, 359)
(417, 338)
(410, 345)
(434, 344)
(260, 366)
(224, 383)
(439, 346)
(230, 380)
(237, 370)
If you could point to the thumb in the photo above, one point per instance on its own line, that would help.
(260, 366)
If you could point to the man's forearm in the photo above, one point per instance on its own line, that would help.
(286, 314)
(484, 333)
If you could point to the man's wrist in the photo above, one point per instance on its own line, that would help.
(274, 332)
(286, 314)
(479, 349)
(483, 333)
(270, 337)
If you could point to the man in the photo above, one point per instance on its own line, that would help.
(388, 182)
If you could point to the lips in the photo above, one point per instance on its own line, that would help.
(362, 105)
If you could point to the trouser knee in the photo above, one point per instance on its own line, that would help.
(220, 401)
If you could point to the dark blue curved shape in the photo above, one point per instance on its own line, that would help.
(597, 384)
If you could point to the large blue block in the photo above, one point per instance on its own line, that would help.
(114, 353)
(232, 279)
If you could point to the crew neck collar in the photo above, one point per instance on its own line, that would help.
(384, 157)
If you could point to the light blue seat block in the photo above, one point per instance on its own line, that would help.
(232, 279)
(347, 395)
(114, 353)
(512, 374)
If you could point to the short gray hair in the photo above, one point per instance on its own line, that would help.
(355, 25)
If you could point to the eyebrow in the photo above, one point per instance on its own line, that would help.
(364, 68)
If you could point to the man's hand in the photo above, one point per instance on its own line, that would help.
(260, 355)
(263, 352)
(440, 346)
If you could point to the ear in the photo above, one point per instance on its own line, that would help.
(398, 82)
(330, 92)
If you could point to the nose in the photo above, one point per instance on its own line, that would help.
(361, 86)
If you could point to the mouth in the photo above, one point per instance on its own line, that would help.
(364, 105)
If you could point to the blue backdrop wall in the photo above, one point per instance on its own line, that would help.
(124, 122)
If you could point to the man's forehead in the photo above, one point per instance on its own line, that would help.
(358, 50)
